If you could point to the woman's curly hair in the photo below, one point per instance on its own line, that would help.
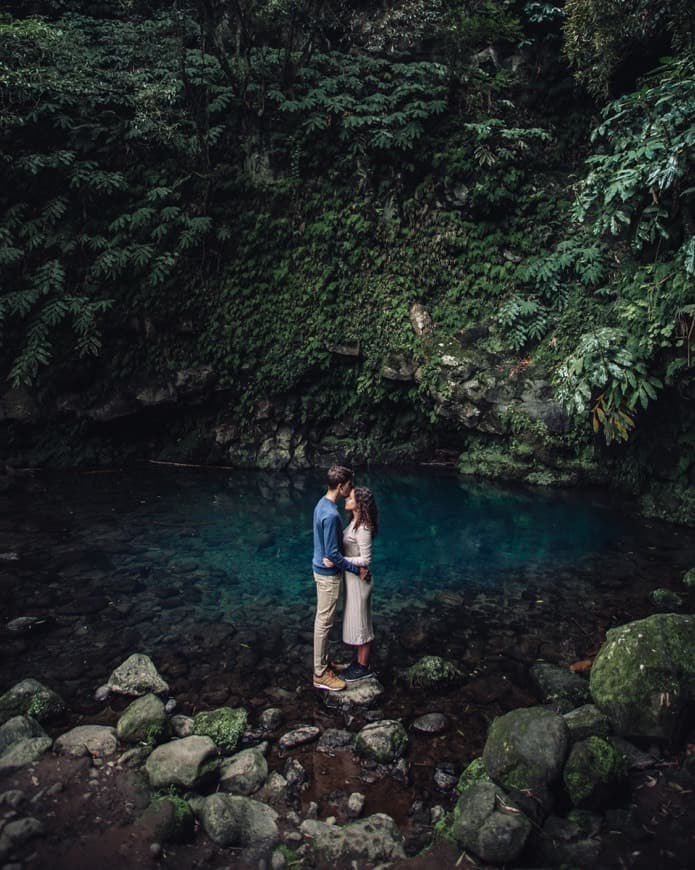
(367, 509)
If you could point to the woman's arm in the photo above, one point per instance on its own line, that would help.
(363, 536)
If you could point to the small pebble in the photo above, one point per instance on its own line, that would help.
(312, 810)
(155, 850)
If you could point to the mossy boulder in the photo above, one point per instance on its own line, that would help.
(526, 749)
(487, 824)
(594, 772)
(643, 678)
(431, 672)
(224, 726)
(472, 775)
(382, 741)
(30, 698)
(587, 721)
(689, 578)
(143, 721)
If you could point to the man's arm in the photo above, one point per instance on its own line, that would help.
(330, 542)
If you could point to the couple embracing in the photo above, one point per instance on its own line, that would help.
(347, 555)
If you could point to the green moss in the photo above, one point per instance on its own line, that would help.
(291, 857)
(689, 579)
(431, 671)
(473, 774)
(593, 765)
(39, 707)
(154, 734)
(224, 726)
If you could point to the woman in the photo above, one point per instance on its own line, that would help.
(357, 547)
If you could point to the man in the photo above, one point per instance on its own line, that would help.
(328, 542)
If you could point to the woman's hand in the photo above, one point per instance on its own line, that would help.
(327, 562)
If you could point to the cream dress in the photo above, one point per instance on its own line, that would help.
(357, 616)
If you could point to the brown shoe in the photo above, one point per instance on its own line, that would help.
(329, 681)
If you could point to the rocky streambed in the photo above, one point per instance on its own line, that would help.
(584, 772)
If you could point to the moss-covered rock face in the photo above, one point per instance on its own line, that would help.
(432, 671)
(225, 726)
(643, 678)
(594, 772)
(526, 749)
(689, 578)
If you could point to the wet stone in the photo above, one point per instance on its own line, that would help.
(445, 777)
(361, 693)
(335, 740)
(299, 736)
(270, 719)
(93, 740)
(431, 723)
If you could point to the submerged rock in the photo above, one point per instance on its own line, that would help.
(643, 678)
(137, 675)
(30, 697)
(665, 599)
(370, 842)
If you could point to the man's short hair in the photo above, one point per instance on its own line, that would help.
(337, 475)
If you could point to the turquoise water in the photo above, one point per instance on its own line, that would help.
(210, 570)
(249, 534)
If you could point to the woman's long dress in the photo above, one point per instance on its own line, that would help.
(357, 617)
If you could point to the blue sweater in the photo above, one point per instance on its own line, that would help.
(328, 540)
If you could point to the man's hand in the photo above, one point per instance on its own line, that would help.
(366, 575)
(327, 562)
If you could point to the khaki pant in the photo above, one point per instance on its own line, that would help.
(327, 595)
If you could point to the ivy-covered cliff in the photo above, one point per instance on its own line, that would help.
(281, 232)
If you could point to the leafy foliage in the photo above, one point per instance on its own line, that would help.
(606, 375)
(603, 35)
